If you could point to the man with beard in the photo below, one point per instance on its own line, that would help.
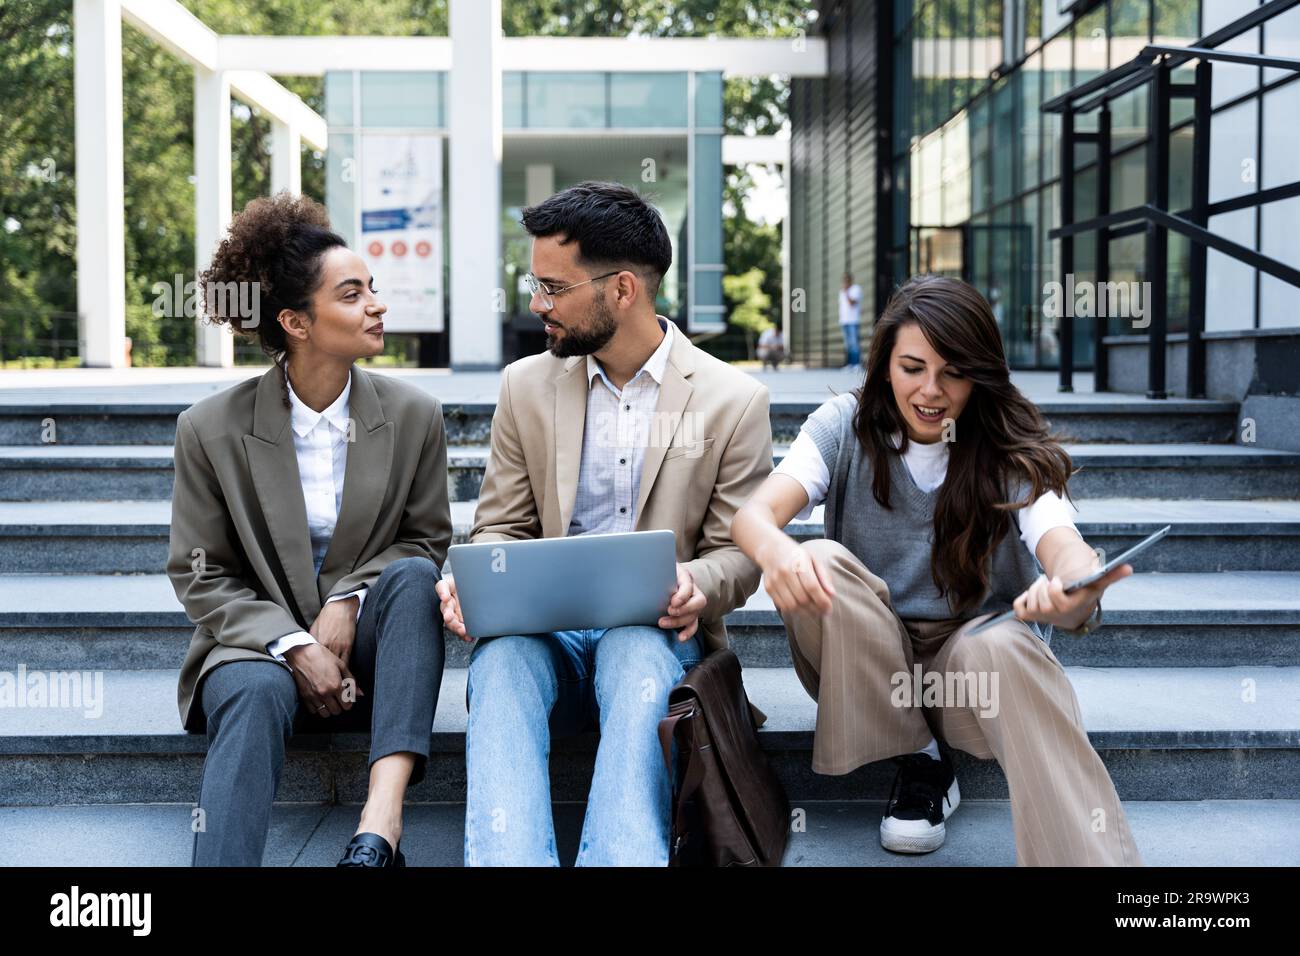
(621, 425)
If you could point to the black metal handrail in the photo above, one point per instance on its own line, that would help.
(1153, 66)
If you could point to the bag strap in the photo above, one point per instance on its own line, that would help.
(694, 767)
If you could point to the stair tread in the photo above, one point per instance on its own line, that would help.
(1269, 595)
(1101, 453)
(1200, 833)
(1164, 707)
(1186, 515)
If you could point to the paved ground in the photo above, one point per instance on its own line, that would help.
(1193, 833)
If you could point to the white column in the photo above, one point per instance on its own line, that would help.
(214, 345)
(785, 252)
(475, 183)
(539, 182)
(101, 245)
(286, 158)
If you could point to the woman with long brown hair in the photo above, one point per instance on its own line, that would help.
(923, 470)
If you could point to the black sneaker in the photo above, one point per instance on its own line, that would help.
(923, 796)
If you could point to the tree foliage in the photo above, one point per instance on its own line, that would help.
(38, 165)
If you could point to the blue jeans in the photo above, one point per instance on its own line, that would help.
(524, 688)
(850, 330)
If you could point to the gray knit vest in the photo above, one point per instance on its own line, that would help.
(895, 543)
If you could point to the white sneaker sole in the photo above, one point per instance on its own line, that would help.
(918, 836)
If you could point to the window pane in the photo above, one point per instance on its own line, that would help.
(565, 100)
(338, 98)
(1128, 117)
(1232, 151)
(1229, 284)
(1279, 302)
(512, 100)
(340, 184)
(1130, 26)
(401, 99)
(1128, 180)
(1231, 79)
(1282, 38)
(1004, 134)
(1281, 135)
(647, 99)
(1030, 78)
(980, 185)
(1090, 45)
(1180, 168)
(708, 100)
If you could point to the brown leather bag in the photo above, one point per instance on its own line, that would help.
(729, 808)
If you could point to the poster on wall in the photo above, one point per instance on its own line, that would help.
(401, 227)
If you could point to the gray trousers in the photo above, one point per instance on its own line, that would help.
(252, 709)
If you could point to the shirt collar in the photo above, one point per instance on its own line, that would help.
(656, 364)
(303, 418)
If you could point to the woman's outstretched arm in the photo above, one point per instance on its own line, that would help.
(794, 578)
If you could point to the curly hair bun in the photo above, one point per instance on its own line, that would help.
(269, 260)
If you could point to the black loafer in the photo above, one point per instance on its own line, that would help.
(370, 849)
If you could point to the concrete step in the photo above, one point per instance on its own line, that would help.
(1193, 833)
(130, 537)
(1083, 417)
(1173, 620)
(1174, 470)
(1164, 734)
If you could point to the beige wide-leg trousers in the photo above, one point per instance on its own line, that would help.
(1003, 695)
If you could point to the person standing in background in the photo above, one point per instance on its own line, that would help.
(850, 316)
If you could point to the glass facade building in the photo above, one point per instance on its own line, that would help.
(967, 171)
(660, 133)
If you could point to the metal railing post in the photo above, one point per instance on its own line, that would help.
(1157, 236)
(1065, 321)
(1200, 201)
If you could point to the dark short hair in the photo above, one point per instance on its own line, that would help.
(611, 224)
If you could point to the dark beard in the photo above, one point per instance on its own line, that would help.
(600, 329)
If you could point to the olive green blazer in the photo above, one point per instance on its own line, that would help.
(240, 554)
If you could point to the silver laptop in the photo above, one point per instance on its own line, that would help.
(564, 584)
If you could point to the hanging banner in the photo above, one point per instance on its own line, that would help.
(401, 227)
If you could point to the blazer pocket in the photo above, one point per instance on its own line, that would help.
(691, 450)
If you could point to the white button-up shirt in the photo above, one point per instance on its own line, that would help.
(320, 440)
(620, 423)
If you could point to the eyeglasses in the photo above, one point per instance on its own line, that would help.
(544, 292)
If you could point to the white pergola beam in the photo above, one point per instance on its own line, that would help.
(312, 56)
(263, 92)
(738, 150)
(173, 27)
(183, 34)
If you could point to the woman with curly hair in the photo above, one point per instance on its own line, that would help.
(309, 523)
(922, 470)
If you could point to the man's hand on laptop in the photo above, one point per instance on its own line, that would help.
(451, 616)
(685, 606)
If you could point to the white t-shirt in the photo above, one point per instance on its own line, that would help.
(928, 466)
(851, 312)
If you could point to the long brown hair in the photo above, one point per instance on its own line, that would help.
(1001, 436)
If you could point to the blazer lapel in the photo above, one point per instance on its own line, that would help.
(273, 465)
(365, 481)
(570, 418)
(674, 395)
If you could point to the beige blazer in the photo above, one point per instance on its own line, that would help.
(240, 554)
(692, 489)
